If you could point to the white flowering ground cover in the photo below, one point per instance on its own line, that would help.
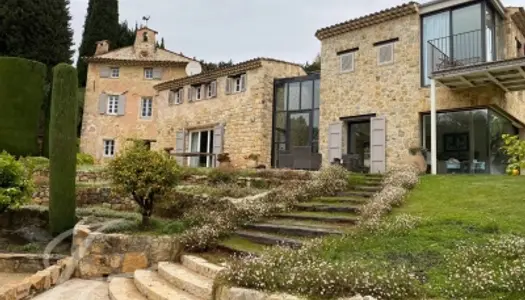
(454, 237)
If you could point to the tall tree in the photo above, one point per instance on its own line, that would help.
(126, 36)
(314, 66)
(37, 30)
(101, 24)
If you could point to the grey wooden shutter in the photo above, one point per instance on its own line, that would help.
(121, 105)
(102, 103)
(181, 96)
(228, 89)
(171, 97)
(218, 141)
(204, 92)
(243, 82)
(157, 73)
(105, 72)
(179, 146)
(214, 89)
(335, 141)
(190, 94)
(378, 145)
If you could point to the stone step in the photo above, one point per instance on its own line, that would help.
(326, 207)
(186, 280)
(268, 239)
(124, 289)
(201, 266)
(364, 194)
(154, 287)
(366, 188)
(303, 231)
(321, 217)
(240, 246)
(349, 200)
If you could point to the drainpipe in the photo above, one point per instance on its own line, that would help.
(433, 127)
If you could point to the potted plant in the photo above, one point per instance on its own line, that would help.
(253, 160)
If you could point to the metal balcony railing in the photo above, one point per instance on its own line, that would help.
(461, 49)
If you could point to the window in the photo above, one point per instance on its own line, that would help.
(385, 54)
(112, 108)
(146, 108)
(201, 142)
(346, 62)
(198, 92)
(209, 91)
(236, 84)
(115, 72)
(148, 73)
(145, 36)
(109, 148)
(175, 96)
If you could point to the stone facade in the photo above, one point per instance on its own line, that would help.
(131, 82)
(394, 90)
(246, 116)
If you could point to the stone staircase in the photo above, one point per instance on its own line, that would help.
(192, 279)
(320, 217)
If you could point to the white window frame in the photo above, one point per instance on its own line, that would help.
(198, 92)
(209, 92)
(113, 103)
(341, 56)
(237, 84)
(379, 63)
(176, 100)
(108, 147)
(209, 146)
(146, 107)
(148, 73)
(114, 72)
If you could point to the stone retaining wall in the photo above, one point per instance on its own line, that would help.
(101, 254)
(82, 176)
(40, 281)
(25, 263)
(25, 217)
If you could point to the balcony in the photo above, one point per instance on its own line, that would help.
(462, 61)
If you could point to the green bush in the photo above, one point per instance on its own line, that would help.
(217, 176)
(22, 91)
(35, 163)
(15, 182)
(145, 175)
(514, 148)
(85, 159)
(62, 149)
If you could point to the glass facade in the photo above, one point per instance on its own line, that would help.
(469, 141)
(296, 122)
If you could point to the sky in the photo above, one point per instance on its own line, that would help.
(220, 30)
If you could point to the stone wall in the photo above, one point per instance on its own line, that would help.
(393, 91)
(26, 263)
(246, 116)
(24, 217)
(102, 254)
(92, 177)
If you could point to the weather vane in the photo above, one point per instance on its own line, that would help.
(144, 18)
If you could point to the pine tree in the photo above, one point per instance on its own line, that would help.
(36, 30)
(101, 24)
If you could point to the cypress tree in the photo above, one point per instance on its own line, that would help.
(101, 24)
(63, 149)
(36, 30)
(126, 35)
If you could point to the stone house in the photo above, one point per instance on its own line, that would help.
(120, 99)
(448, 75)
(227, 110)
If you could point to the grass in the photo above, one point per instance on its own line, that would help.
(455, 210)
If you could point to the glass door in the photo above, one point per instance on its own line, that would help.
(359, 143)
(201, 142)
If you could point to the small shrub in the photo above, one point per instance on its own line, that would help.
(16, 185)
(174, 204)
(514, 148)
(143, 174)
(85, 159)
(216, 176)
(405, 177)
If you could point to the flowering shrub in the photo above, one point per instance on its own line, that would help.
(304, 272)
(480, 271)
(406, 177)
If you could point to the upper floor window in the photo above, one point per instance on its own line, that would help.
(114, 72)
(346, 62)
(385, 54)
(176, 96)
(148, 73)
(146, 107)
(113, 104)
(236, 84)
(145, 37)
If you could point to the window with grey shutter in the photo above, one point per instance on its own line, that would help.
(346, 62)
(218, 141)
(243, 82)
(214, 88)
(121, 105)
(172, 95)
(102, 103)
(181, 96)
(228, 89)
(378, 145)
(385, 54)
(190, 94)
(335, 141)
(179, 146)
(157, 73)
(105, 72)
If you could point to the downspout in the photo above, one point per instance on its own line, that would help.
(433, 127)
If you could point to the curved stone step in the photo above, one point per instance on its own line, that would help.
(124, 289)
(292, 230)
(155, 287)
(186, 280)
(326, 207)
(268, 239)
(201, 266)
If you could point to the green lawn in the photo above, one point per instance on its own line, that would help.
(456, 210)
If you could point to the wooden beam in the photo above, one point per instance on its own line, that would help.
(466, 81)
(496, 81)
(520, 69)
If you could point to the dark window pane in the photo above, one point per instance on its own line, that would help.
(294, 95)
(317, 93)
(306, 94)
(498, 126)
(315, 126)
(280, 103)
(299, 129)
(280, 120)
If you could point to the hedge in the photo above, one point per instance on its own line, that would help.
(22, 91)
(63, 149)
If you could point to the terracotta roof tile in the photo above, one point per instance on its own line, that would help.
(368, 20)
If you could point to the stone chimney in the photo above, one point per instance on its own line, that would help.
(102, 47)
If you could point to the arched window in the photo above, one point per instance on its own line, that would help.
(145, 36)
